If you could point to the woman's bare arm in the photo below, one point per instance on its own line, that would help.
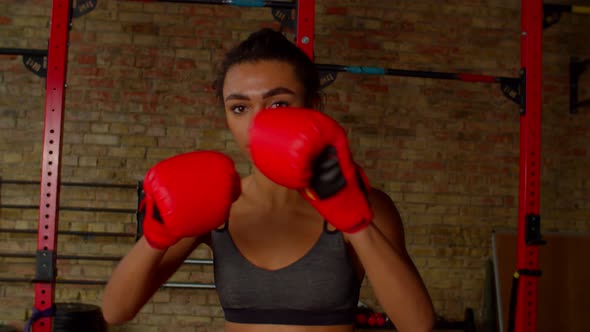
(139, 275)
(390, 270)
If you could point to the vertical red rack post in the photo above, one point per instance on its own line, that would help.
(306, 26)
(51, 163)
(528, 231)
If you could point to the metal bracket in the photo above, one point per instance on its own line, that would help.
(36, 64)
(36, 60)
(514, 89)
(33, 59)
(327, 77)
(552, 14)
(82, 7)
(532, 273)
(533, 230)
(285, 16)
(577, 68)
(45, 270)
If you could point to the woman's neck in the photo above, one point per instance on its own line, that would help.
(269, 194)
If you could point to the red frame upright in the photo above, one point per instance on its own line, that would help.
(305, 26)
(51, 161)
(527, 262)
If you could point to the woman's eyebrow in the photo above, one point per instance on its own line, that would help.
(236, 96)
(277, 91)
(270, 93)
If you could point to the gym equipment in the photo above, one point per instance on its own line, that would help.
(563, 291)
(72, 317)
(368, 319)
(87, 235)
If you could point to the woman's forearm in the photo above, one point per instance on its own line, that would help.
(132, 283)
(395, 280)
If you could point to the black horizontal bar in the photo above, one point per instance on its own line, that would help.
(73, 184)
(98, 258)
(59, 281)
(198, 261)
(557, 7)
(188, 285)
(64, 257)
(414, 73)
(69, 208)
(448, 325)
(78, 233)
(103, 282)
(583, 103)
(22, 51)
(239, 3)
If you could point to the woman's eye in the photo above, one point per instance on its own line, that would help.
(238, 109)
(279, 104)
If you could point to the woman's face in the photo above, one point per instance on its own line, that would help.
(252, 86)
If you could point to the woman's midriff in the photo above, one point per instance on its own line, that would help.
(235, 327)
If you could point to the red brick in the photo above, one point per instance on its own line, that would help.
(184, 42)
(5, 20)
(146, 28)
(86, 59)
(184, 64)
(101, 83)
(336, 10)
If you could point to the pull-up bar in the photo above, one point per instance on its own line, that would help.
(23, 51)
(512, 87)
(415, 73)
(239, 3)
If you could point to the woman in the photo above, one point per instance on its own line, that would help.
(280, 264)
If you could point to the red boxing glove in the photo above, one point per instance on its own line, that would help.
(188, 195)
(306, 150)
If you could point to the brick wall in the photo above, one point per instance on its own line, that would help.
(139, 90)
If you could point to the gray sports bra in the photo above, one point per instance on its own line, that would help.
(321, 288)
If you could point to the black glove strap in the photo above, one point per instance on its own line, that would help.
(327, 178)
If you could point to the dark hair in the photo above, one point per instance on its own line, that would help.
(268, 44)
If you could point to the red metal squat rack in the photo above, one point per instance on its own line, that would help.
(525, 313)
